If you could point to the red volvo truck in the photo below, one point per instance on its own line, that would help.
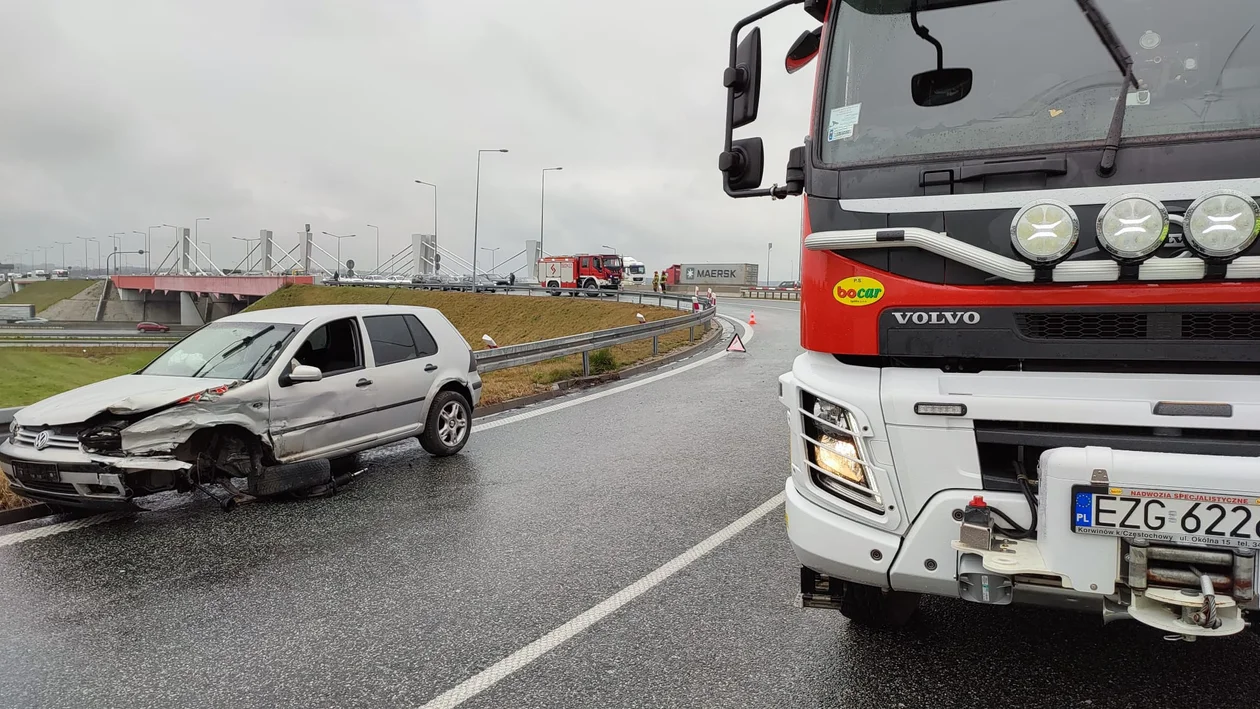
(1030, 305)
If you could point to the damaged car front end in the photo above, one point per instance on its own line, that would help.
(197, 415)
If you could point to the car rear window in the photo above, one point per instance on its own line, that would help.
(426, 346)
(391, 339)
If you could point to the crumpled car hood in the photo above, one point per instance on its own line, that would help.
(130, 393)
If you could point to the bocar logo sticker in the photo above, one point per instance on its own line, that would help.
(858, 290)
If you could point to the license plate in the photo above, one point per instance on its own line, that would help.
(1167, 515)
(36, 472)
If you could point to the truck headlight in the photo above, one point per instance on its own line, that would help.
(1222, 224)
(1132, 227)
(1045, 232)
(835, 458)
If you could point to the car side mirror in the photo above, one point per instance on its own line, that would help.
(940, 86)
(742, 166)
(803, 50)
(305, 373)
(744, 80)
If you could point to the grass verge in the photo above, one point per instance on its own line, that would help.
(46, 294)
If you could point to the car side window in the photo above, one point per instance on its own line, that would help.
(391, 339)
(426, 346)
(334, 348)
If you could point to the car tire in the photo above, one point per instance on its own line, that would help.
(448, 425)
(877, 608)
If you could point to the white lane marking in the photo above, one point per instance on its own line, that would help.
(748, 336)
(490, 676)
(58, 528)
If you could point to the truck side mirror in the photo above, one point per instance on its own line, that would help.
(743, 79)
(803, 50)
(742, 166)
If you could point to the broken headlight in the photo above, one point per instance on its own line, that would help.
(103, 439)
(834, 452)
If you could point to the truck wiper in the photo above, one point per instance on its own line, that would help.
(1124, 61)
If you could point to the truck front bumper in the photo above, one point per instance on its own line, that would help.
(906, 538)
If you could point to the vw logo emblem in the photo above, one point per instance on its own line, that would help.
(41, 440)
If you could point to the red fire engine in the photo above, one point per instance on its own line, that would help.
(590, 272)
(1029, 310)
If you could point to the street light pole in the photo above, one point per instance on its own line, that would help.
(178, 252)
(196, 239)
(148, 247)
(63, 245)
(249, 251)
(542, 205)
(378, 246)
(769, 245)
(435, 210)
(85, 240)
(492, 263)
(339, 238)
(477, 209)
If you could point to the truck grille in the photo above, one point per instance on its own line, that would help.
(1211, 326)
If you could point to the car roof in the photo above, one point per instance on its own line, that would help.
(303, 314)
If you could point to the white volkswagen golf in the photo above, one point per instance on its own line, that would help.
(282, 398)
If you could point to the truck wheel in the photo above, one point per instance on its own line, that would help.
(876, 607)
(449, 423)
(592, 289)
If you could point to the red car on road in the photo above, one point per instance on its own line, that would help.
(152, 327)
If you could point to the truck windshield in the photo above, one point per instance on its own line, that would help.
(613, 263)
(1041, 75)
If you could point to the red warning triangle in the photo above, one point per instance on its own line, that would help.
(737, 345)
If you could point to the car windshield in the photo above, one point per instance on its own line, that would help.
(235, 350)
(1041, 75)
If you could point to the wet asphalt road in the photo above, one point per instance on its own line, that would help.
(425, 572)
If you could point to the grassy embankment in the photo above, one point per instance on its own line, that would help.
(509, 320)
(31, 374)
(46, 294)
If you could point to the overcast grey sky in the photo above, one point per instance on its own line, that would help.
(269, 114)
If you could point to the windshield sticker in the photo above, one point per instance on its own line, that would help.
(842, 121)
(858, 291)
(1138, 98)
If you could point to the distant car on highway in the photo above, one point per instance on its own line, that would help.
(152, 327)
(284, 398)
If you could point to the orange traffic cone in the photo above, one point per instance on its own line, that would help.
(752, 318)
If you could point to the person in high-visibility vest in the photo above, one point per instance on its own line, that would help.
(663, 280)
(656, 281)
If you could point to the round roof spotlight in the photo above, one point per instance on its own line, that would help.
(1222, 224)
(1132, 227)
(1045, 232)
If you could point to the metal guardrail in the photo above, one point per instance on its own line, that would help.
(6, 415)
(585, 343)
(771, 293)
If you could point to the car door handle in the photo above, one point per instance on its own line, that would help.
(363, 383)
(430, 367)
